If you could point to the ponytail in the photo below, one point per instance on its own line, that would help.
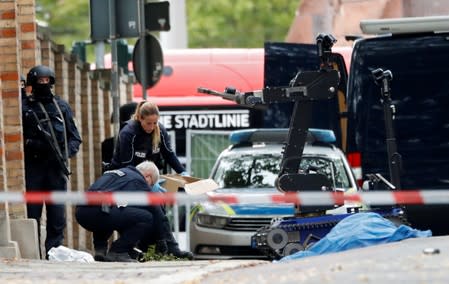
(156, 137)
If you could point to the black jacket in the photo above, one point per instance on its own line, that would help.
(36, 145)
(135, 146)
(123, 179)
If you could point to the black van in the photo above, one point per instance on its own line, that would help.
(419, 63)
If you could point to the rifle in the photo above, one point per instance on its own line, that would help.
(55, 148)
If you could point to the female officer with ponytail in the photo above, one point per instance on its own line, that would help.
(143, 138)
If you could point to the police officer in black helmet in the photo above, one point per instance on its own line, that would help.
(50, 139)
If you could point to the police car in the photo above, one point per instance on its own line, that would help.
(250, 166)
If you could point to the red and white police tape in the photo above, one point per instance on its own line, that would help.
(420, 197)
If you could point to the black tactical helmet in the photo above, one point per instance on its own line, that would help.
(40, 71)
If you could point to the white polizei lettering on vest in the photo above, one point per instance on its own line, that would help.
(140, 154)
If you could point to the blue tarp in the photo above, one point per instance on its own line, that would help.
(357, 231)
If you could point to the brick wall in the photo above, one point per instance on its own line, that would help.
(12, 26)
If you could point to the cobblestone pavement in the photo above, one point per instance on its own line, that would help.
(410, 261)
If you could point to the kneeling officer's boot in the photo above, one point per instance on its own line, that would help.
(168, 244)
(173, 248)
(112, 256)
(100, 253)
(167, 247)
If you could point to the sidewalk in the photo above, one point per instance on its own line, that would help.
(163, 272)
(423, 260)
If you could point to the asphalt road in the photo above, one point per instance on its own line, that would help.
(423, 260)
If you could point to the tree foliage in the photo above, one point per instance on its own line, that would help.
(68, 21)
(234, 23)
(217, 23)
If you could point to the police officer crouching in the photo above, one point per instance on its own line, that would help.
(137, 226)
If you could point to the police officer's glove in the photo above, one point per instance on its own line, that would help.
(37, 145)
(158, 188)
(185, 174)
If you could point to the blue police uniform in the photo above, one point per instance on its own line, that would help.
(134, 146)
(42, 171)
(134, 223)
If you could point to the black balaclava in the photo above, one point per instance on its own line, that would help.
(42, 92)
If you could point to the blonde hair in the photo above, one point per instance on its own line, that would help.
(144, 109)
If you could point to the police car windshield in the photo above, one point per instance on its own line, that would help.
(261, 170)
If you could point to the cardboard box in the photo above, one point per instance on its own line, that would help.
(191, 185)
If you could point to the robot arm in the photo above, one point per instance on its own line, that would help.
(304, 89)
(383, 78)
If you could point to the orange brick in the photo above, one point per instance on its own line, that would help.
(6, 76)
(10, 14)
(28, 44)
(27, 27)
(9, 32)
(13, 137)
(10, 94)
(14, 155)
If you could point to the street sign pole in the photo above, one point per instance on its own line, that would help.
(143, 59)
(124, 19)
(115, 91)
(99, 54)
